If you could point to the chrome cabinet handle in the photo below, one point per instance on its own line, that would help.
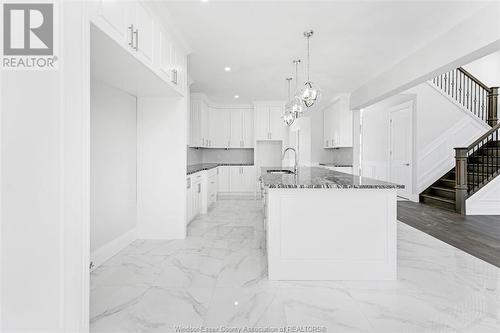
(174, 76)
(131, 42)
(136, 33)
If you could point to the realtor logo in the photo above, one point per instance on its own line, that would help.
(28, 36)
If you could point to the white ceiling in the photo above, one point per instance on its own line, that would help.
(354, 41)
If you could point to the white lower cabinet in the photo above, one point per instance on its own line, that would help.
(194, 200)
(237, 179)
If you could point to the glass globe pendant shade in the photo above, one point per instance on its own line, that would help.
(296, 106)
(309, 94)
(288, 116)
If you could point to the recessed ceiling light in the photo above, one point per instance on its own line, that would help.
(236, 96)
(227, 69)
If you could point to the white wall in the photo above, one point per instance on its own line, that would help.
(113, 169)
(486, 69)
(473, 38)
(439, 126)
(45, 188)
(486, 201)
(161, 168)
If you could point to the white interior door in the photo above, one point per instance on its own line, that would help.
(401, 146)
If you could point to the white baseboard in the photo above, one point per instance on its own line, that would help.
(101, 255)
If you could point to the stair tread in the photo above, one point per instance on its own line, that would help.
(433, 197)
(440, 188)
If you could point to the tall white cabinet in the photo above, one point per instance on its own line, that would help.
(337, 123)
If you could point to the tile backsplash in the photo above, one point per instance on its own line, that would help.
(240, 156)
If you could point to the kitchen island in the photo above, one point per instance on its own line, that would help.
(328, 225)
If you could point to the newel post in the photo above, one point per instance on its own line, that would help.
(493, 106)
(460, 179)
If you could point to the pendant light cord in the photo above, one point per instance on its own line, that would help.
(296, 74)
(308, 59)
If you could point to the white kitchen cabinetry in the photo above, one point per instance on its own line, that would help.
(212, 185)
(248, 128)
(136, 28)
(115, 19)
(193, 200)
(224, 178)
(337, 122)
(200, 123)
(220, 127)
(237, 179)
(236, 116)
(268, 123)
(143, 22)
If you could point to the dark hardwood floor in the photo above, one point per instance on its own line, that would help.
(476, 235)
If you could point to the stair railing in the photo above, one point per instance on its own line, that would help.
(471, 93)
(484, 157)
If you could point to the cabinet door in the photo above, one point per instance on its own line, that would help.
(195, 124)
(180, 67)
(346, 127)
(205, 124)
(326, 137)
(249, 179)
(261, 123)
(115, 16)
(248, 128)
(189, 200)
(276, 124)
(223, 179)
(236, 179)
(144, 24)
(236, 127)
(219, 127)
(165, 63)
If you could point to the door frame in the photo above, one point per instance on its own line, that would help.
(405, 105)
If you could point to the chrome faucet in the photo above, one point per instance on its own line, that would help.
(296, 166)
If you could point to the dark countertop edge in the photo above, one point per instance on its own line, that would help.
(335, 186)
(381, 185)
(336, 165)
(208, 166)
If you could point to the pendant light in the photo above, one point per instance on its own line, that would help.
(288, 116)
(296, 103)
(310, 93)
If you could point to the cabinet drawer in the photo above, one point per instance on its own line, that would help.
(212, 172)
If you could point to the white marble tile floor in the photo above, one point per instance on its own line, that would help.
(217, 278)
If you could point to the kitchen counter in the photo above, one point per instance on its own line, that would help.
(193, 168)
(328, 225)
(316, 177)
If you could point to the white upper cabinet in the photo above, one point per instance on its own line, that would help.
(143, 33)
(268, 122)
(248, 128)
(220, 127)
(236, 128)
(337, 124)
(164, 61)
(115, 18)
(136, 27)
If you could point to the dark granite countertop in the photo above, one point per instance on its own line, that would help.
(317, 177)
(194, 168)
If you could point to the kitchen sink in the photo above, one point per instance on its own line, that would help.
(283, 172)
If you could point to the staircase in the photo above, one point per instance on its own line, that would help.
(478, 163)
